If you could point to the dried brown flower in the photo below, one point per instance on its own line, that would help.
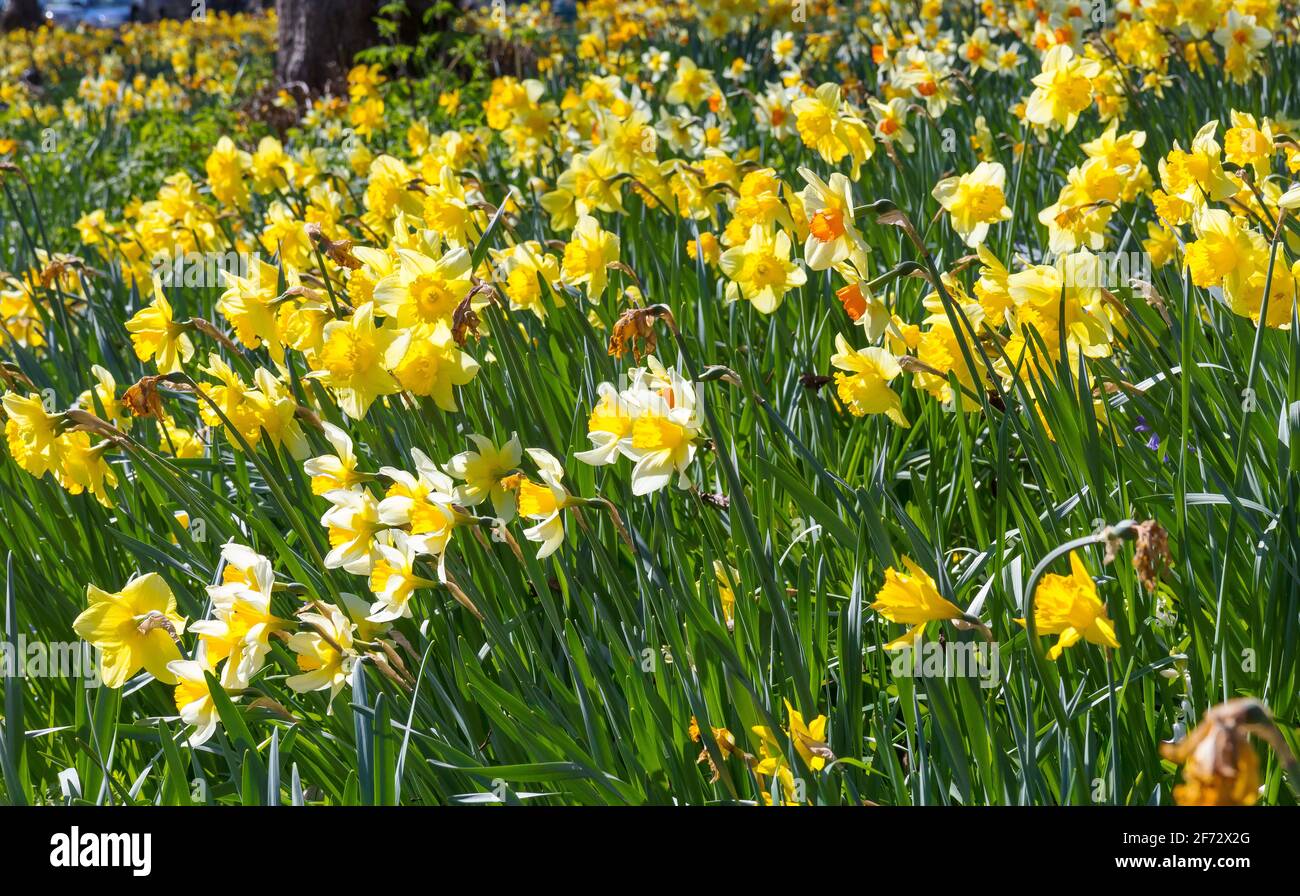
(1220, 767)
(634, 331)
(1151, 557)
(338, 251)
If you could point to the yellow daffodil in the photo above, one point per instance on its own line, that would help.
(975, 200)
(862, 380)
(135, 628)
(157, 336)
(911, 597)
(760, 271)
(351, 361)
(1068, 606)
(1063, 89)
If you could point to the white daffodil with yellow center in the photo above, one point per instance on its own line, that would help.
(393, 579)
(665, 436)
(609, 426)
(193, 698)
(545, 502)
(325, 652)
(338, 470)
(423, 504)
(483, 473)
(352, 522)
(242, 626)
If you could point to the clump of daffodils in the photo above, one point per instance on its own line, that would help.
(652, 422)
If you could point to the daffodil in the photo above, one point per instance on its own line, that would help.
(911, 597)
(664, 437)
(862, 380)
(1063, 89)
(351, 361)
(760, 271)
(82, 467)
(1068, 606)
(609, 426)
(156, 335)
(249, 303)
(829, 206)
(545, 503)
(325, 652)
(424, 290)
(588, 255)
(193, 699)
(135, 628)
(425, 360)
(352, 523)
(975, 200)
(242, 626)
(482, 472)
(334, 471)
(32, 434)
(424, 505)
(393, 579)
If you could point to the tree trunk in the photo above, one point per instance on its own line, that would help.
(21, 14)
(318, 39)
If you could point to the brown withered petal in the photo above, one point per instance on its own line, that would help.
(1220, 767)
(58, 265)
(465, 320)
(85, 421)
(1151, 557)
(142, 399)
(634, 331)
(338, 251)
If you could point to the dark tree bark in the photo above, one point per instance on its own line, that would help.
(318, 38)
(21, 14)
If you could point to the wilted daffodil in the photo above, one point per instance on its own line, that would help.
(1220, 767)
(136, 628)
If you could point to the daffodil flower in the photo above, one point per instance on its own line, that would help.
(325, 652)
(912, 598)
(1068, 606)
(193, 698)
(545, 502)
(352, 522)
(482, 472)
(242, 626)
(156, 335)
(393, 579)
(134, 628)
(337, 471)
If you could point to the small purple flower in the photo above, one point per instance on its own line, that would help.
(1154, 442)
